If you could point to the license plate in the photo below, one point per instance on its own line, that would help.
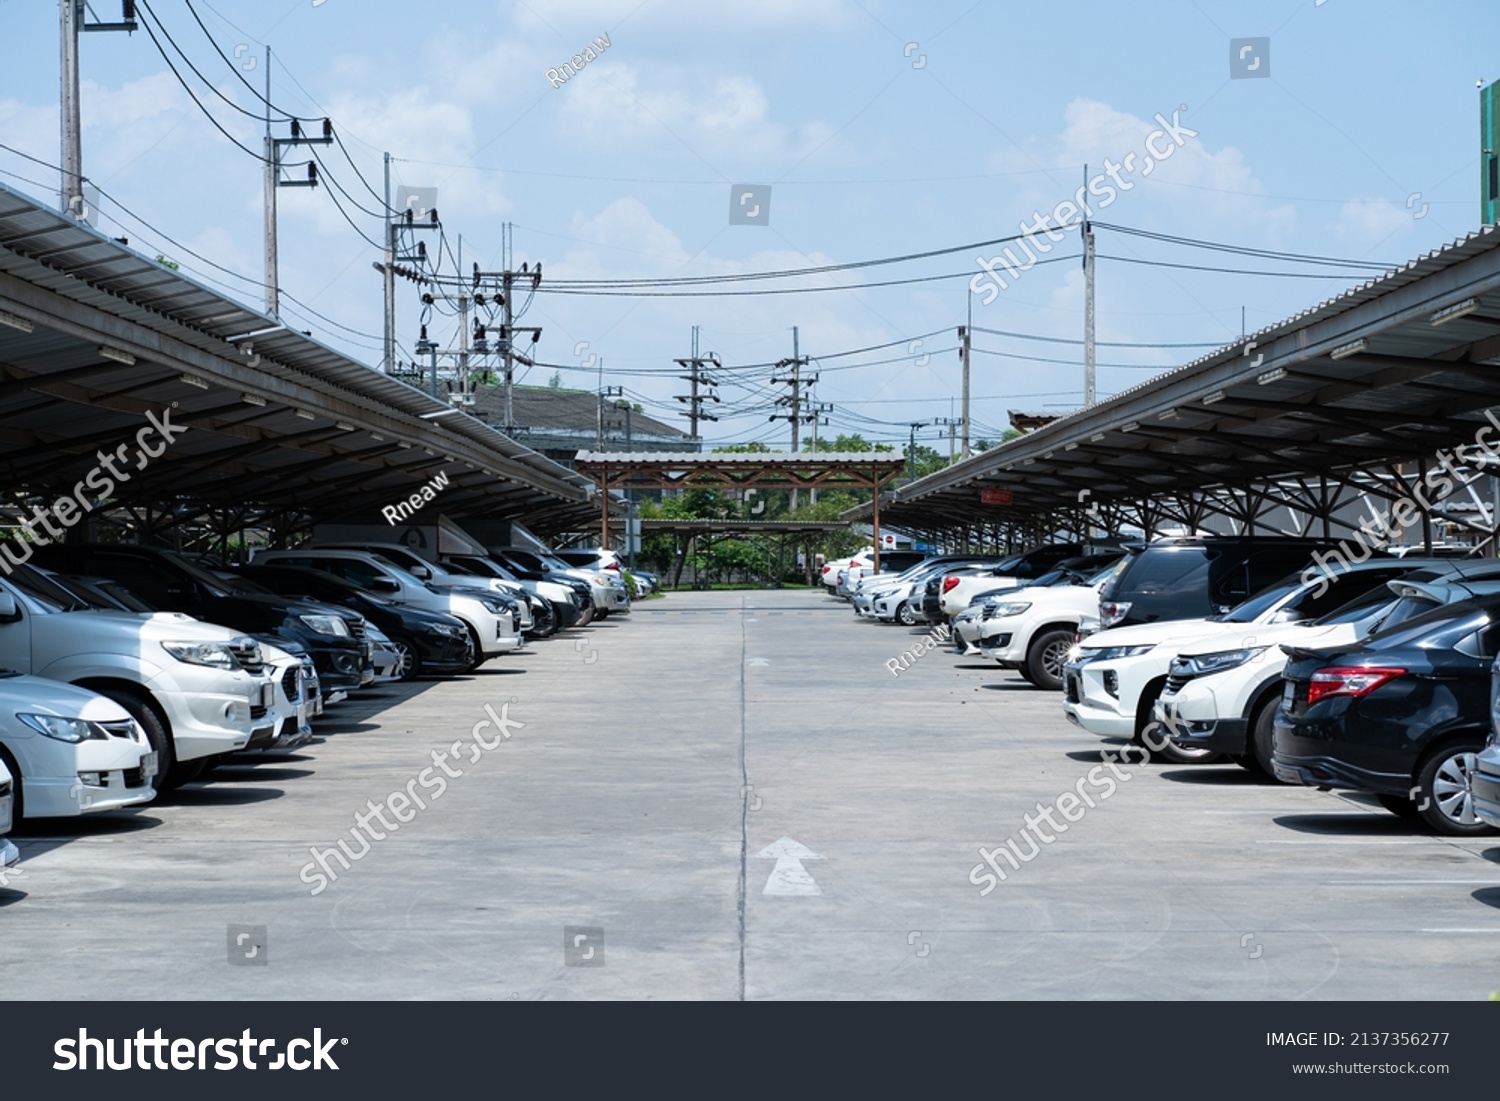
(149, 765)
(268, 695)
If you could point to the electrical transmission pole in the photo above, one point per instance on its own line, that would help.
(950, 423)
(695, 378)
(272, 180)
(74, 20)
(1088, 313)
(966, 337)
(795, 399)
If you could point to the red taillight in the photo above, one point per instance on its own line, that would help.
(1348, 680)
(612, 565)
(854, 565)
(950, 583)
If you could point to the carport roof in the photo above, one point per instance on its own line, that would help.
(1393, 370)
(93, 336)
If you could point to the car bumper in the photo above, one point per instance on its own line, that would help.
(206, 723)
(1484, 786)
(1330, 772)
(1096, 713)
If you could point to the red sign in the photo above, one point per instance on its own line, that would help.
(995, 497)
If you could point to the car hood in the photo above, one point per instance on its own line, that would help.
(40, 696)
(1172, 630)
(154, 626)
(1336, 634)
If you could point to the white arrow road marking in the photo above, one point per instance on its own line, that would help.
(789, 877)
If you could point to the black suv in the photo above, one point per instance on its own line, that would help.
(170, 582)
(1196, 577)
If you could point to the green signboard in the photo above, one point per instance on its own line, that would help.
(1489, 159)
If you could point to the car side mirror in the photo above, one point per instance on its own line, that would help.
(384, 585)
(10, 611)
(422, 572)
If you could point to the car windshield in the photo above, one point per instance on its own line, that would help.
(1258, 605)
(211, 583)
(45, 591)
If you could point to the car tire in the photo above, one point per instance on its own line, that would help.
(1045, 659)
(477, 644)
(17, 786)
(904, 615)
(1400, 806)
(1263, 738)
(1025, 674)
(1443, 800)
(170, 773)
(1155, 741)
(409, 665)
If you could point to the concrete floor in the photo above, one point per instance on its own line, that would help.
(661, 756)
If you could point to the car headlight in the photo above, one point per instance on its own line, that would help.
(1015, 607)
(213, 654)
(496, 606)
(1113, 653)
(1199, 664)
(64, 730)
(326, 624)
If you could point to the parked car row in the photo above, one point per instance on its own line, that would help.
(128, 670)
(1377, 677)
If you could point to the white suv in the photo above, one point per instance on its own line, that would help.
(1031, 630)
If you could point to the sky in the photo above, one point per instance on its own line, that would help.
(882, 129)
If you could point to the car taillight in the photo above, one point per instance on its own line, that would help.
(854, 565)
(1353, 680)
(1111, 612)
(612, 566)
(949, 583)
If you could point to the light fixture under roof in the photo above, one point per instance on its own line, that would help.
(305, 415)
(1167, 415)
(1275, 374)
(1070, 447)
(253, 399)
(117, 355)
(440, 413)
(193, 380)
(1131, 427)
(1216, 396)
(1096, 437)
(1457, 310)
(344, 426)
(16, 322)
(1353, 348)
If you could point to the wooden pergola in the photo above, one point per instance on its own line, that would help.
(848, 470)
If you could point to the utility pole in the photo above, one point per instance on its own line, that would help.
(388, 362)
(966, 336)
(795, 399)
(694, 365)
(605, 392)
(72, 21)
(911, 450)
(1088, 310)
(818, 409)
(271, 180)
(951, 423)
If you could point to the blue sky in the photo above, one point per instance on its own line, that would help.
(882, 129)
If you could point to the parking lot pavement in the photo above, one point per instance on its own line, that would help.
(726, 795)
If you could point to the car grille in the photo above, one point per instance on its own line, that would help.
(356, 627)
(1071, 688)
(124, 729)
(1176, 682)
(247, 653)
(291, 683)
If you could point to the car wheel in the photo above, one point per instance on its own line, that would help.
(1025, 674)
(1443, 798)
(1262, 738)
(905, 616)
(476, 649)
(409, 660)
(1046, 658)
(17, 785)
(170, 773)
(1153, 735)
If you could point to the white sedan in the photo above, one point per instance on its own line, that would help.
(71, 751)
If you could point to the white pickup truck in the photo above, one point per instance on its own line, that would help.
(197, 690)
